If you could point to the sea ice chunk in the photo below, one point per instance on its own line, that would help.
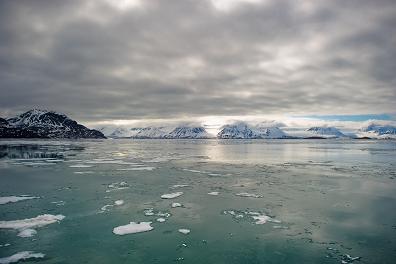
(245, 194)
(261, 219)
(29, 232)
(133, 228)
(174, 205)
(213, 193)
(23, 255)
(119, 202)
(39, 221)
(171, 195)
(14, 199)
(161, 220)
(184, 231)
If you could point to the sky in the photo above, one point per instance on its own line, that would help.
(208, 61)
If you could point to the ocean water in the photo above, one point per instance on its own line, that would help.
(251, 201)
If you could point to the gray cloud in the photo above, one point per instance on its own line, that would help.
(178, 58)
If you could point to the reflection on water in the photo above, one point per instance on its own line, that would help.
(256, 201)
(34, 151)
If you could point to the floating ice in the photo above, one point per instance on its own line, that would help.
(258, 218)
(171, 195)
(179, 186)
(80, 166)
(348, 259)
(151, 212)
(39, 221)
(116, 203)
(195, 171)
(161, 220)
(245, 194)
(261, 219)
(213, 193)
(174, 205)
(137, 169)
(117, 186)
(27, 232)
(184, 231)
(5, 245)
(133, 228)
(83, 172)
(59, 203)
(23, 255)
(119, 202)
(14, 199)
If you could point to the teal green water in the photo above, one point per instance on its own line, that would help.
(326, 199)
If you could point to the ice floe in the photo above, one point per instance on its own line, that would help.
(14, 199)
(161, 220)
(117, 186)
(5, 245)
(137, 169)
(59, 203)
(184, 231)
(39, 221)
(83, 172)
(171, 195)
(29, 232)
(80, 166)
(119, 202)
(152, 212)
(252, 195)
(23, 255)
(116, 203)
(348, 259)
(258, 218)
(174, 205)
(133, 228)
(213, 193)
(179, 186)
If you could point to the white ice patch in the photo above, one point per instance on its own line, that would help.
(119, 202)
(161, 220)
(24, 255)
(116, 203)
(83, 172)
(133, 228)
(14, 199)
(179, 186)
(5, 245)
(39, 221)
(80, 166)
(137, 169)
(59, 203)
(171, 195)
(152, 212)
(174, 205)
(184, 231)
(117, 186)
(245, 194)
(213, 193)
(27, 232)
(261, 219)
(195, 171)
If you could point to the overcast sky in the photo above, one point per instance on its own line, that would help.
(191, 59)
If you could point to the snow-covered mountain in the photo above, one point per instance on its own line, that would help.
(377, 131)
(242, 130)
(325, 132)
(170, 132)
(189, 132)
(38, 123)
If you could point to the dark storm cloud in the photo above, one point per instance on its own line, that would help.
(96, 60)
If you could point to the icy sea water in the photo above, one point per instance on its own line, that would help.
(257, 201)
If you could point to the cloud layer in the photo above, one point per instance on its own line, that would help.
(102, 60)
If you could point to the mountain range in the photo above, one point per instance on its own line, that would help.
(39, 123)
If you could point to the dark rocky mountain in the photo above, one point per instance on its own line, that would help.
(45, 124)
